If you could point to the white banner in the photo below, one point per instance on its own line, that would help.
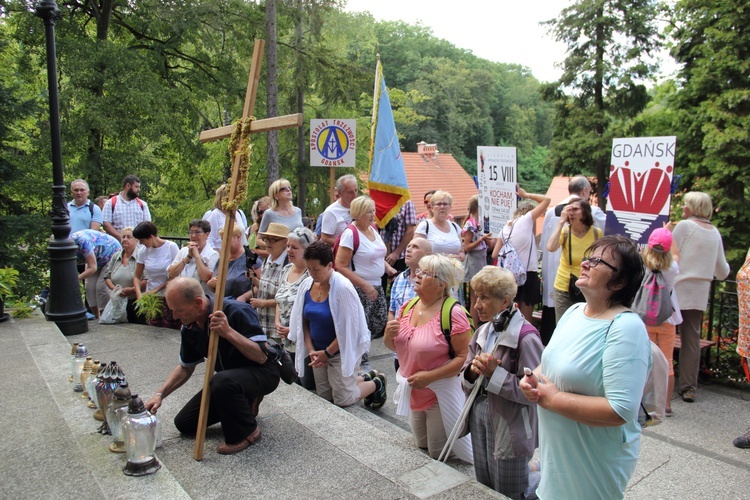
(497, 172)
(333, 143)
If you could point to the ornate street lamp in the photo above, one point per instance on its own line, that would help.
(64, 305)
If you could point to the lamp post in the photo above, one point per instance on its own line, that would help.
(64, 305)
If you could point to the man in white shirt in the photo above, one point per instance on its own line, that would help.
(125, 209)
(578, 187)
(336, 217)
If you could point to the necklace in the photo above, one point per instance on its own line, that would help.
(424, 308)
(320, 291)
(594, 317)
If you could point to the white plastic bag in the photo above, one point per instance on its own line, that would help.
(115, 312)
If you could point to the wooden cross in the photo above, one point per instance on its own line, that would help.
(275, 123)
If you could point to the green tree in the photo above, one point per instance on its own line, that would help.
(712, 42)
(608, 57)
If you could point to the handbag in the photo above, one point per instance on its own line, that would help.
(574, 293)
(277, 354)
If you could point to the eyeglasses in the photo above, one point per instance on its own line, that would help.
(260, 213)
(195, 233)
(426, 202)
(285, 188)
(271, 240)
(594, 261)
(419, 273)
(441, 204)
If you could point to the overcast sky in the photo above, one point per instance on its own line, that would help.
(497, 30)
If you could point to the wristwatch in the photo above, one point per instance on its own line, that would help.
(328, 354)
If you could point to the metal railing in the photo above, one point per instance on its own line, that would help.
(723, 315)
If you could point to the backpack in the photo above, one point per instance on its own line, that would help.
(114, 201)
(508, 258)
(653, 301)
(455, 226)
(446, 321)
(355, 244)
(654, 400)
(526, 329)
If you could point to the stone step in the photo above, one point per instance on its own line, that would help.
(309, 447)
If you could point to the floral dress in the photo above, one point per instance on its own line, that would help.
(285, 296)
(743, 298)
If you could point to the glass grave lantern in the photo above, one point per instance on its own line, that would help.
(91, 383)
(85, 372)
(70, 362)
(139, 432)
(116, 411)
(104, 390)
(78, 361)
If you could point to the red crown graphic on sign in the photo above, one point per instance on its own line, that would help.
(642, 192)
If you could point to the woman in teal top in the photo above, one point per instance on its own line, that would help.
(590, 383)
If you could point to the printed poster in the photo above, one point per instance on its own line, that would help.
(497, 172)
(640, 180)
(333, 143)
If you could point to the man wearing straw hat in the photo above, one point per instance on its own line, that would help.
(275, 237)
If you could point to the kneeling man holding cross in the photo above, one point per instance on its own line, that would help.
(244, 374)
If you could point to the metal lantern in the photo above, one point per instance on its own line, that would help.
(116, 410)
(104, 391)
(139, 432)
(80, 358)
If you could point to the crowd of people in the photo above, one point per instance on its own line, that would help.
(571, 389)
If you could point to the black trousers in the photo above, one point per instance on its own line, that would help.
(232, 394)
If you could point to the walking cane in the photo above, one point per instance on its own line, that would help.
(502, 318)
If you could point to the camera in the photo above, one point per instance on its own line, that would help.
(250, 258)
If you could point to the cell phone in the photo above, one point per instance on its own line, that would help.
(558, 210)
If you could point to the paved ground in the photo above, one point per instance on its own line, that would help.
(310, 449)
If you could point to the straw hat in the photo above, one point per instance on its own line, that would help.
(276, 229)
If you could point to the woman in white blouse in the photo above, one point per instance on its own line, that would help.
(444, 234)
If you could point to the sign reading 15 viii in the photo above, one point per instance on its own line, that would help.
(333, 143)
(501, 173)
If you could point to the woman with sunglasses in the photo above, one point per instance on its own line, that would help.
(574, 232)
(294, 273)
(282, 210)
(275, 237)
(590, 383)
(429, 391)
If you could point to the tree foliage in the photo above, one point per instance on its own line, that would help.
(139, 80)
(609, 48)
(712, 110)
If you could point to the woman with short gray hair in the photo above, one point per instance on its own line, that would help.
(502, 422)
